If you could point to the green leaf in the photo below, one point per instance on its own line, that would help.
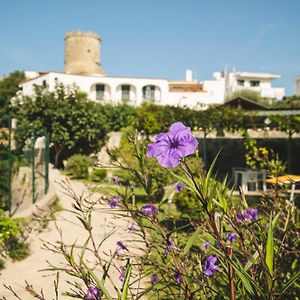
(83, 250)
(269, 259)
(126, 281)
(270, 252)
(293, 279)
(99, 283)
(191, 242)
(168, 193)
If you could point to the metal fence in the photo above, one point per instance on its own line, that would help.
(27, 182)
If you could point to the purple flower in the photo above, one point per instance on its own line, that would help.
(150, 210)
(93, 293)
(205, 245)
(230, 237)
(122, 273)
(209, 266)
(132, 228)
(121, 246)
(250, 214)
(179, 187)
(116, 179)
(178, 278)
(240, 217)
(114, 201)
(170, 246)
(171, 146)
(154, 279)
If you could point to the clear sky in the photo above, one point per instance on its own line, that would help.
(157, 38)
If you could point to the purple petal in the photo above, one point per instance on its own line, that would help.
(208, 272)
(154, 279)
(230, 236)
(93, 293)
(205, 245)
(212, 260)
(122, 273)
(179, 187)
(157, 148)
(188, 145)
(176, 127)
(169, 158)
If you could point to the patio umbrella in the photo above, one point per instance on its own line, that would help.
(286, 179)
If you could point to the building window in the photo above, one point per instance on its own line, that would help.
(100, 88)
(125, 92)
(149, 92)
(241, 82)
(254, 83)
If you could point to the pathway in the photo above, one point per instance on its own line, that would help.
(103, 221)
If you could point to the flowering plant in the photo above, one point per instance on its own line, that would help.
(234, 251)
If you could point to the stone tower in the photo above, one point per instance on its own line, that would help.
(82, 53)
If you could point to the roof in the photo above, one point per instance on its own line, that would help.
(256, 75)
(245, 103)
(286, 179)
(85, 75)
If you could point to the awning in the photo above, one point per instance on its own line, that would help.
(285, 179)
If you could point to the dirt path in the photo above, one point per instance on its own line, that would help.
(103, 222)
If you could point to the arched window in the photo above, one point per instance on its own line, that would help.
(126, 93)
(100, 89)
(151, 93)
(100, 92)
(125, 88)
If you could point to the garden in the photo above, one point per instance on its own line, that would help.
(199, 239)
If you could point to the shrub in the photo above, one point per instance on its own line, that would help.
(11, 240)
(16, 249)
(187, 203)
(98, 175)
(78, 166)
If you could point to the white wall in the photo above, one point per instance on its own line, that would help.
(215, 90)
(113, 93)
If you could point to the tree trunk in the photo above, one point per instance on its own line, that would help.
(58, 151)
(289, 152)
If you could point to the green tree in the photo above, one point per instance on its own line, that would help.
(290, 125)
(119, 116)
(75, 124)
(249, 94)
(8, 87)
(288, 102)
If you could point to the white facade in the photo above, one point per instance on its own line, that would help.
(297, 86)
(82, 67)
(132, 90)
(258, 82)
(190, 93)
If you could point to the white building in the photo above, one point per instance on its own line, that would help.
(297, 86)
(82, 67)
(258, 82)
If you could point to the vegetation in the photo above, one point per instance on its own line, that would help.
(98, 175)
(74, 123)
(78, 166)
(12, 242)
(227, 250)
(9, 85)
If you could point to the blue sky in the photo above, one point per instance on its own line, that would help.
(157, 38)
